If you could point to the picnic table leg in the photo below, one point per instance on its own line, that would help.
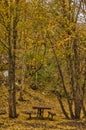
(40, 113)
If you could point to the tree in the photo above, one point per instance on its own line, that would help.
(9, 14)
(67, 25)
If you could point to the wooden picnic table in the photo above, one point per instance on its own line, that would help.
(40, 110)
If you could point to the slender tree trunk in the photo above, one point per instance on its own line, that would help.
(12, 91)
(78, 99)
(12, 39)
(84, 89)
(61, 104)
(78, 108)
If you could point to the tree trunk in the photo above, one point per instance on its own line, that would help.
(78, 107)
(78, 93)
(61, 105)
(12, 91)
(12, 39)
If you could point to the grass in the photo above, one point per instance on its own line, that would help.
(32, 98)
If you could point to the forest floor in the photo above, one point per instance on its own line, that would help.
(32, 98)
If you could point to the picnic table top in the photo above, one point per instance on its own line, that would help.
(41, 107)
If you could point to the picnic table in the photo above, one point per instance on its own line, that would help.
(40, 110)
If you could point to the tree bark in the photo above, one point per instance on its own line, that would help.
(12, 40)
(12, 91)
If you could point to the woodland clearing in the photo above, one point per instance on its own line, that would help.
(35, 97)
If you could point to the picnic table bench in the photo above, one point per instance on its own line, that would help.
(51, 115)
(29, 113)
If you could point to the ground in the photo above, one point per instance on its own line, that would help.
(33, 97)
